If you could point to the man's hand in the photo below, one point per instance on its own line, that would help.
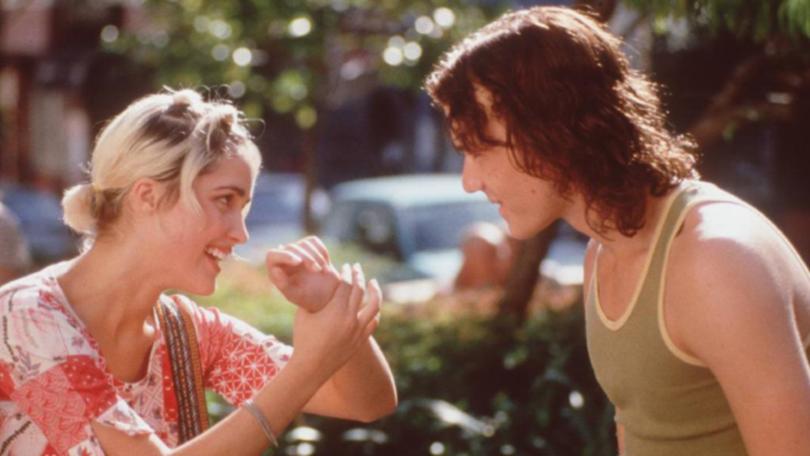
(303, 272)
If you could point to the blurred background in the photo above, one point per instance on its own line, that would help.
(484, 333)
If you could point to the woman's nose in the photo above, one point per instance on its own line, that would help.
(239, 231)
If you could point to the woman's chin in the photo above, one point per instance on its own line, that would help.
(200, 288)
(207, 290)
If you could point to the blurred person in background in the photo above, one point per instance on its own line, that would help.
(697, 307)
(99, 359)
(15, 257)
(488, 254)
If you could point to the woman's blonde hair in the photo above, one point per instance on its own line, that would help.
(170, 137)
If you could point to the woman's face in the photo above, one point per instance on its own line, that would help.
(195, 242)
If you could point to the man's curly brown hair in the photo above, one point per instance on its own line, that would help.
(575, 112)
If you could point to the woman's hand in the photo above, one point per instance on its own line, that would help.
(303, 272)
(329, 337)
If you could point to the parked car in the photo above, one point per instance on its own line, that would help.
(277, 213)
(40, 216)
(417, 220)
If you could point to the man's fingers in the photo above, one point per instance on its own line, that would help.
(356, 297)
(359, 276)
(370, 328)
(371, 311)
(346, 273)
(333, 270)
(375, 292)
(343, 292)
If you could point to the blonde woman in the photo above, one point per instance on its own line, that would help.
(86, 364)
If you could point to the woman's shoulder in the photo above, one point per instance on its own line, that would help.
(35, 309)
(213, 325)
(204, 319)
(36, 290)
(40, 331)
(196, 311)
(190, 307)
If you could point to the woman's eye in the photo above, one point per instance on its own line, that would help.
(224, 201)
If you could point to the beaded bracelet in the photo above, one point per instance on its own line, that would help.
(254, 410)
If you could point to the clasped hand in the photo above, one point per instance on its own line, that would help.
(337, 310)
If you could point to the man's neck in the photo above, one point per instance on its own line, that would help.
(612, 240)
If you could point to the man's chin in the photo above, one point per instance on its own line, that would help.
(522, 234)
(517, 234)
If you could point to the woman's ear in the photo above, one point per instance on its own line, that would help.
(145, 195)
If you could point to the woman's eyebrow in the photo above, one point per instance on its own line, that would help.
(235, 188)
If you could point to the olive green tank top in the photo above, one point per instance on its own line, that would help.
(669, 403)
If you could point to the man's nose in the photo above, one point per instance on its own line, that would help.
(470, 178)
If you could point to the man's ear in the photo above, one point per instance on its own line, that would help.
(145, 195)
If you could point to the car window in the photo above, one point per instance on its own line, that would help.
(281, 201)
(371, 226)
(441, 226)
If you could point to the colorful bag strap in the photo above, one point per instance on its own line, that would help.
(184, 357)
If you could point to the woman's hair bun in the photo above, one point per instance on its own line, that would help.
(77, 205)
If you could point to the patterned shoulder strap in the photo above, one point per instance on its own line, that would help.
(184, 357)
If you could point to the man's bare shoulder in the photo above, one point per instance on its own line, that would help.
(722, 253)
(730, 275)
(735, 240)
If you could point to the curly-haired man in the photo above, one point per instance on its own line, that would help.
(697, 307)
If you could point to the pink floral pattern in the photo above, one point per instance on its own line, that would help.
(54, 382)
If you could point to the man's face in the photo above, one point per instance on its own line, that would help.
(528, 204)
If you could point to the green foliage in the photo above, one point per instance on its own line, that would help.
(468, 384)
(526, 383)
(795, 14)
(284, 56)
(758, 20)
(532, 385)
(271, 312)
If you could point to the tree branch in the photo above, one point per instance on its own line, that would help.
(524, 275)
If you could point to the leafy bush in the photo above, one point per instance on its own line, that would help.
(481, 386)
(469, 384)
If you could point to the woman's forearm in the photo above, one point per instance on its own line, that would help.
(281, 400)
(366, 382)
